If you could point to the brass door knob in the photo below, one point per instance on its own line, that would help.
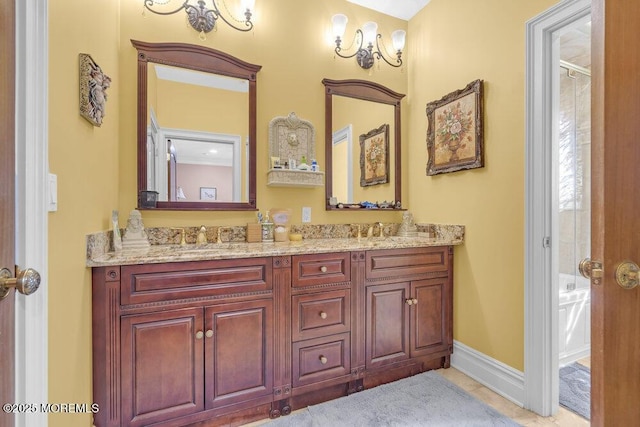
(585, 268)
(26, 281)
(627, 274)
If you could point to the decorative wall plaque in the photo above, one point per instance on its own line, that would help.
(93, 90)
(291, 152)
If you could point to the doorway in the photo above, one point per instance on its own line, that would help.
(572, 219)
(546, 242)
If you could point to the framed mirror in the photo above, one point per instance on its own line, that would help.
(196, 128)
(362, 145)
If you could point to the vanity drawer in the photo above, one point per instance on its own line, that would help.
(161, 282)
(396, 263)
(321, 359)
(318, 269)
(320, 314)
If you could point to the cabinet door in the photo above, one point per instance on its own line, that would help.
(430, 316)
(238, 352)
(162, 366)
(387, 324)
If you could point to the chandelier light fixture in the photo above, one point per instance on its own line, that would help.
(202, 17)
(368, 38)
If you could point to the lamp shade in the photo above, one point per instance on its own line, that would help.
(248, 4)
(339, 24)
(398, 38)
(369, 32)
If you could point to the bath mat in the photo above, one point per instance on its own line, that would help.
(575, 389)
(426, 399)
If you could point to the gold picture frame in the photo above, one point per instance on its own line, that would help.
(455, 139)
(374, 156)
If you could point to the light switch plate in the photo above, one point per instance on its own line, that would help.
(53, 192)
(306, 214)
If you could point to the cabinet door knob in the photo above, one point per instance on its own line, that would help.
(323, 315)
(323, 269)
(409, 301)
(199, 335)
(209, 333)
(414, 301)
(323, 360)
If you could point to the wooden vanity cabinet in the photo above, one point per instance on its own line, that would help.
(321, 322)
(408, 312)
(226, 342)
(194, 341)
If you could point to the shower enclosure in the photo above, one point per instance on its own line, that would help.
(574, 213)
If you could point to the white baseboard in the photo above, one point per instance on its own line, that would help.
(567, 358)
(491, 373)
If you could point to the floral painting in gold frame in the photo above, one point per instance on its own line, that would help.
(374, 156)
(455, 135)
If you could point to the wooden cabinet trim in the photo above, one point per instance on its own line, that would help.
(395, 263)
(162, 282)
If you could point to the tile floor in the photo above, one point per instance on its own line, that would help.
(526, 418)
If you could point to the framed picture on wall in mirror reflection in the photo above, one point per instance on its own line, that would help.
(455, 134)
(374, 156)
(208, 194)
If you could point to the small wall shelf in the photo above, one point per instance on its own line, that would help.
(294, 178)
(292, 140)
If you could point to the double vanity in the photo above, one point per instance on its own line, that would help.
(234, 332)
(228, 333)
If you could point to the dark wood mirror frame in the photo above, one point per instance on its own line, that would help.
(201, 59)
(368, 91)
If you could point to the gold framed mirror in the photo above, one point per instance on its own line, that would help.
(362, 145)
(196, 134)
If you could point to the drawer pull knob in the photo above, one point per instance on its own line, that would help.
(209, 333)
(323, 315)
(323, 269)
(199, 335)
(323, 360)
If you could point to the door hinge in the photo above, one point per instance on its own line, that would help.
(546, 242)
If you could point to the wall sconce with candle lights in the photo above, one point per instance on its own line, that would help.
(368, 38)
(202, 18)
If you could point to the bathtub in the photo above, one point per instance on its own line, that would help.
(574, 320)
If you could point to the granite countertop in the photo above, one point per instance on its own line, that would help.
(211, 251)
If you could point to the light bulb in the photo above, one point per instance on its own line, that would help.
(248, 4)
(398, 38)
(369, 32)
(339, 24)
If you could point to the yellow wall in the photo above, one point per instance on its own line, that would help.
(96, 167)
(86, 160)
(451, 44)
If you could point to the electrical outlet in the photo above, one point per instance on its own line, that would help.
(306, 214)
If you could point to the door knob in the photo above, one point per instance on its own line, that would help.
(627, 274)
(26, 281)
(591, 270)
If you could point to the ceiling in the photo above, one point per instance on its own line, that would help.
(403, 9)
